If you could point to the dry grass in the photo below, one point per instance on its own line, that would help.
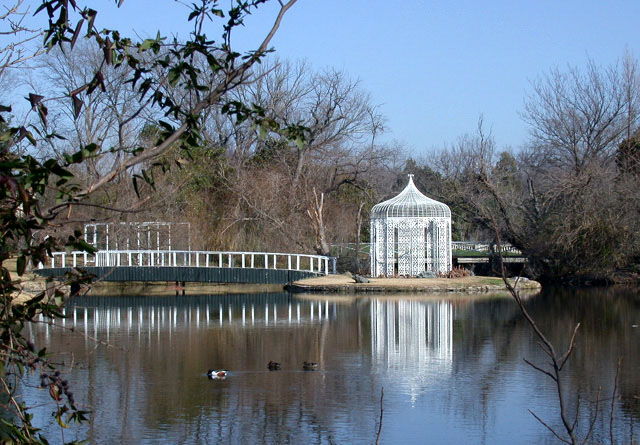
(465, 284)
(31, 283)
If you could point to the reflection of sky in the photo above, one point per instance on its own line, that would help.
(412, 342)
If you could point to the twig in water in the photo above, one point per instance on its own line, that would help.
(381, 412)
(613, 401)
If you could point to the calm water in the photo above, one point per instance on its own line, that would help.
(451, 368)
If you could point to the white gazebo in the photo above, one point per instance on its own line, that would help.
(410, 234)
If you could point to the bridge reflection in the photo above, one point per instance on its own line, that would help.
(102, 315)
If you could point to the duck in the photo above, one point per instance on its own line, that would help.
(217, 373)
(273, 366)
(309, 366)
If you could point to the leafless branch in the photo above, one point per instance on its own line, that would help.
(593, 420)
(560, 438)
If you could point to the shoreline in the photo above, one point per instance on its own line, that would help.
(343, 284)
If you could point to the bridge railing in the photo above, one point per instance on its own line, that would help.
(194, 258)
(482, 247)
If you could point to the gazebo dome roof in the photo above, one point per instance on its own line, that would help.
(410, 203)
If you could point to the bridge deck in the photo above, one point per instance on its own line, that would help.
(188, 274)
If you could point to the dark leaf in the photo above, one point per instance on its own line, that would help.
(101, 81)
(77, 106)
(135, 186)
(76, 33)
(79, 90)
(21, 265)
(34, 99)
(108, 53)
(91, 14)
(43, 111)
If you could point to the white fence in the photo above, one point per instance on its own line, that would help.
(193, 258)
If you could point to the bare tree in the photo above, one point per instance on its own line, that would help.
(305, 176)
(564, 202)
(17, 35)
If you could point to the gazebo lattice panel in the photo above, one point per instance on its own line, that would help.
(410, 234)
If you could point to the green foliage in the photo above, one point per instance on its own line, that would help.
(24, 181)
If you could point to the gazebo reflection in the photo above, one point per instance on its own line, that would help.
(412, 341)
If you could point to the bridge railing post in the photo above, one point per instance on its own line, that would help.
(154, 258)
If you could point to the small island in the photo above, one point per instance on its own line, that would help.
(347, 284)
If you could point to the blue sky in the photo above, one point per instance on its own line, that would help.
(432, 66)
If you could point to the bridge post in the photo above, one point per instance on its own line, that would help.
(297, 262)
(289, 262)
(243, 261)
(252, 260)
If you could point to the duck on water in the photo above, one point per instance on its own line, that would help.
(217, 373)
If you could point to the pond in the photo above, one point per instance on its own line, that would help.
(444, 369)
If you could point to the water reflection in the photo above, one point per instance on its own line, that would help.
(413, 340)
(451, 367)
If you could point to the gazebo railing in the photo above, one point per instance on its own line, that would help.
(194, 258)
